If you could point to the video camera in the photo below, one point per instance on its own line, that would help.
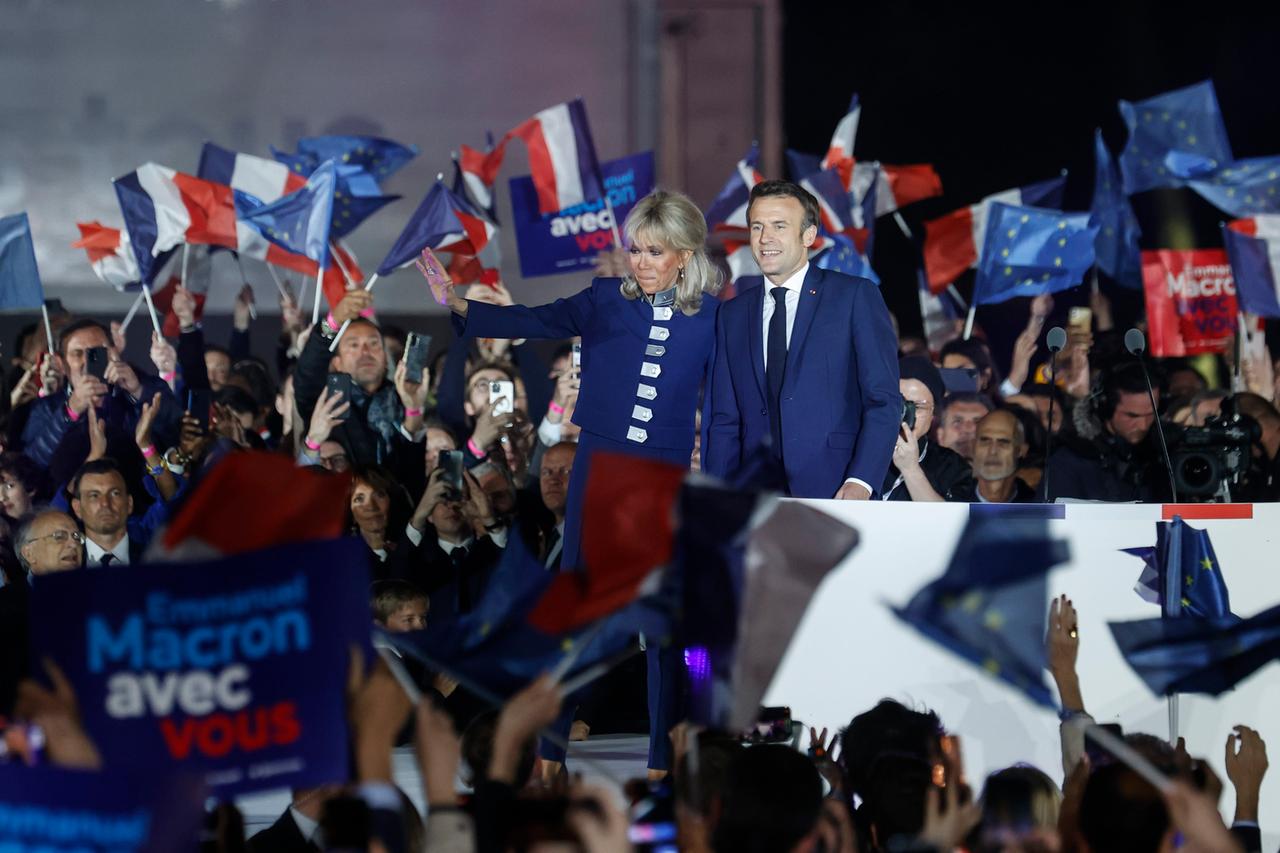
(1208, 460)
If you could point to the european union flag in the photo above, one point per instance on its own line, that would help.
(1029, 251)
(1117, 242)
(356, 195)
(1243, 188)
(1182, 573)
(843, 256)
(1253, 272)
(300, 221)
(379, 157)
(19, 277)
(989, 606)
(1198, 655)
(1173, 137)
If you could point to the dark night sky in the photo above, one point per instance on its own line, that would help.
(1000, 100)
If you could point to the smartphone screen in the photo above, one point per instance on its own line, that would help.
(577, 355)
(653, 822)
(959, 380)
(96, 363)
(1080, 319)
(451, 463)
(339, 384)
(502, 396)
(199, 402)
(417, 348)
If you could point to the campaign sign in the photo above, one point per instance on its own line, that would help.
(570, 239)
(232, 669)
(1191, 301)
(52, 810)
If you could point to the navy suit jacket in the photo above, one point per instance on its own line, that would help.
(840, 402)
(641, 374)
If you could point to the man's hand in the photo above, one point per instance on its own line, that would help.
(87, 393)
(120, 373)
(568, 383)
(57, 712)
(192, 438)
(352, 305)
(945, 828)
(413, 395)
(290, 314)
(163, 355)
(906, 452)
(25, 391)
(242, 310)
(1023, 349)
(377, 709)
(489, 427)
(1196, 816)
(478, 508)
(142, 433)
(439, 752)
(117, 335)
(1246, 762)
(437, 492)
(97, 437)
(183, 307)
(524, 715)
(326, 416)
(853, 492)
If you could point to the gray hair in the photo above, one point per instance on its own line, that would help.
(26, 526)
(672, 219)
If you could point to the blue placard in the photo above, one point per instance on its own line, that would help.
(49, 810)
(569, 240)
(234, 669)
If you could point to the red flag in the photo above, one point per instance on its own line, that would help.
(254, 500)
(1191, 301)
(628, 525)
(950, 247)
(912, 183)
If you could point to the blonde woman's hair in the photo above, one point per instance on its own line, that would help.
(671, 219)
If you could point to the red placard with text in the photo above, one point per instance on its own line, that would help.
(1191, 301)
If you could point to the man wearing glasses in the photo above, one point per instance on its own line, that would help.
(924, 470)
(50, 542)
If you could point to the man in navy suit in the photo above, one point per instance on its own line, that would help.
(806, 365)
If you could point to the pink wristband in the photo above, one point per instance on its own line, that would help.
(149, 450)
(413, 413)
(311, 445)
(556, 407)
(74, 417)
(170, 376)
(475, 451)
(367, 313)
(331, 323)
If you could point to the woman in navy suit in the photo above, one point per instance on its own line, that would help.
(648, 343)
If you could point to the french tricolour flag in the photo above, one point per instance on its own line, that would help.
(896, 186)
(110, 253)
(1253, 247)
(268, 180)
(833, 200)
(839, 154)
(562, 157)
(952, 242)
(163, 208)
(728, 211)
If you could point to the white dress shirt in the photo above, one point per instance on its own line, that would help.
(309, 829)
(93, 552)
(794, 285)
(414, 535)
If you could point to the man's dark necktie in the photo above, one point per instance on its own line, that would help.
(776, 366)
(106, 559)
(462, 577)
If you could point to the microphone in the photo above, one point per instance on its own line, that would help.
(1055, 340)
(1136, 343)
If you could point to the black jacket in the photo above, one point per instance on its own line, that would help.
(947, 471)
(1106, 468)
(283, 836)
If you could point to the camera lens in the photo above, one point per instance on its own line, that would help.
(1198, 474)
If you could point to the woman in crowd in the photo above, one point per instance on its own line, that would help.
(647, 346)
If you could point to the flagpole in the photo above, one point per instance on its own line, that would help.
(968, 322)
(315, 302)
(960, 300)
(342, 331)
(346, 275)
(133, 310)
(284, 294)
(151, 308)
(1242, 343)
(185, 247)
(48, 327)
(613, 219)
(1172, 609)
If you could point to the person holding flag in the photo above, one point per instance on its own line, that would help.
(647, 349)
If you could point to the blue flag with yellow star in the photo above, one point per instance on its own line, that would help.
(379, 157)
(989, 606)
(843, 256)
(1028, 251)
(356, 196)
(1182, 573)
(1173, 137)
(299, 221)
(1208, 656)
(1117, 243)
(1243, 188)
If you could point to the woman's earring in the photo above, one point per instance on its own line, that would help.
(682, 273)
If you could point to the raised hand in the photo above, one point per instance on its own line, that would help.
(58, 713)
(117, 335)
(525, 714)
(326, 416)
(1062, 646)
(25, 391)
(413, 395)
(97, 437)
(242, 311)
(142, 433)
(438, 279)
(163, 356)
(183, 307)
(1246, 760)
(120, 373)
(439, 752)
